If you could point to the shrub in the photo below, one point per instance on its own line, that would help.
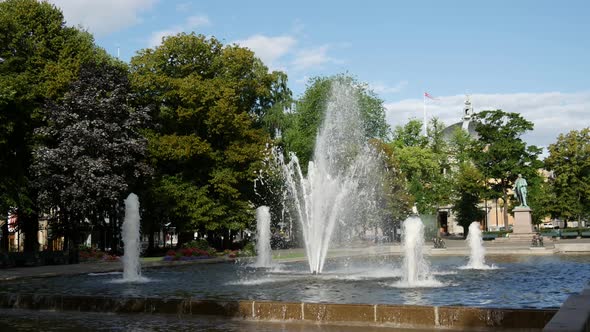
(199, 244)
(248, 250)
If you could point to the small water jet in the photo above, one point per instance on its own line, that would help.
(477, 250)
(131, 241)
(263, 250)
(416, 270)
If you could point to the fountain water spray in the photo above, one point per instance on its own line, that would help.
(132, 248)
(477, 256)
(415, 267)
(340, 180)
(264, 253)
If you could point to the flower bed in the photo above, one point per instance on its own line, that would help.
(186, 254)
(88, 254)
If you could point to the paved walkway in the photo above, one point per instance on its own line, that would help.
(453, 248)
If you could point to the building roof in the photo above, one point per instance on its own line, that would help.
(467, 125)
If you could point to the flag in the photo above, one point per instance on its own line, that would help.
(427, 95)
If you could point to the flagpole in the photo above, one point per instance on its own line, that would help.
(424, 112)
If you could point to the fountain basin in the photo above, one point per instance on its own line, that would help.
(448, 317)
(541, 282)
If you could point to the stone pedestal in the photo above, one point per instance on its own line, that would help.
(522, 230)
(523, 222)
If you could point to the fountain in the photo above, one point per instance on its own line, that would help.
(339, 179)
(132, 248)
(477, 250)
(264, 253)
(338, 191)
(416, 270)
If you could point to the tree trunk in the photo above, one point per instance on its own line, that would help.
(184, 237)
(29, 223)
(505, 197)
(74, 236)
(151, 241)
(115, 234)
(4, 242)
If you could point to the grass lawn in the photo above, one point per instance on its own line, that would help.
(150, 259)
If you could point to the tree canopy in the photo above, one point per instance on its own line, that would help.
(306, 119)
(93, 152)
(41, 56)
(424, 162)
(208, 139)
(569, 161)
(501, 154)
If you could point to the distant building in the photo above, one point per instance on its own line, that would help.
(466, 124)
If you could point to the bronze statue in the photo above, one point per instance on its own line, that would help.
(520, 190)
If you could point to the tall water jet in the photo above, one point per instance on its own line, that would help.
(416, 269)
(477, 250)
(132, 245)
(264, 253)
(340, 180)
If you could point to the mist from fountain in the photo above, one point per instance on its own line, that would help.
(340, 181)
(131, 241)
(477, 250)
(263, 250)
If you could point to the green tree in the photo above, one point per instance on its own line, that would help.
(211, 103)
(424, 162)
(396, 201)
(307, 117)
(543, 201)
(41, 56)
(501, 154)
(569, 160)
(469, 185)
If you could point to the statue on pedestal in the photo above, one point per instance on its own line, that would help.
(520, 190)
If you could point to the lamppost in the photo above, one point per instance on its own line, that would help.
(497, 203)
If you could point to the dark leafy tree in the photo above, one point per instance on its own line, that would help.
(93, 153)
(41, 56)
(501, 154)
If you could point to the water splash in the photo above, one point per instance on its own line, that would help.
(132, 245)
(340, 185)
(477, 250)
(264, 253)
(416, 270)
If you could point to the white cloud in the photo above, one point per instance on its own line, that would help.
(197, 21)
(104, 16)
(382, 88)
(269, 49)
(316, 57)
(191, 23)
(553, 113)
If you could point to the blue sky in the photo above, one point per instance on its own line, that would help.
(531, 57)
